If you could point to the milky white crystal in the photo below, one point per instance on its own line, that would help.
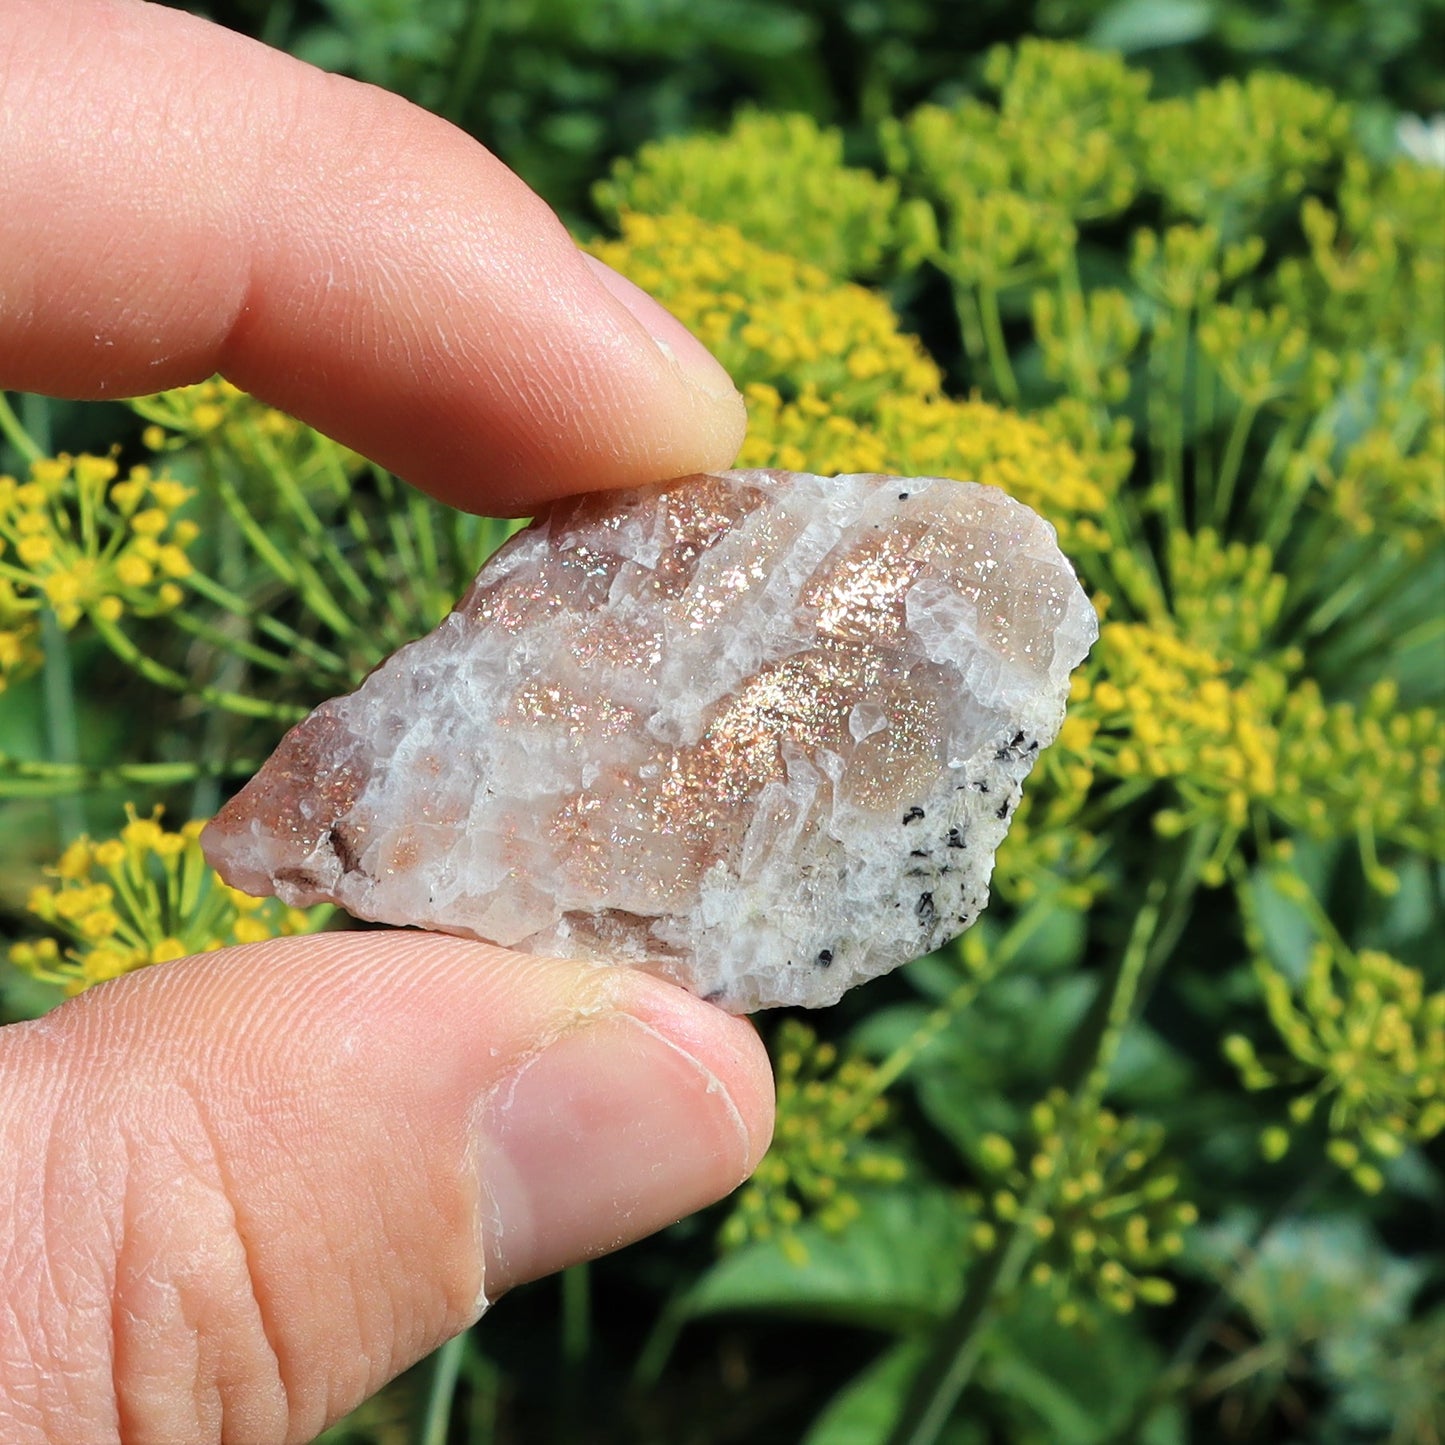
(759, 731)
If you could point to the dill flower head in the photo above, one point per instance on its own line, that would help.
(820, 1150)
(779, 179)
(20, 652)
(146, 896)
(932, 436)
(1237, 149)
(770, 318)
(1240, 740)
(1102, 1206)
(1059, 136)
(1389, 481)
(242, 432)
(1365, 1041)
(82, 538)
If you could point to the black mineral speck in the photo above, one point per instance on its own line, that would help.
(955, 838)
(1003, 809)
(914, 815)
(824, 958)
(927, 913)
(903, 496)
(343, 845)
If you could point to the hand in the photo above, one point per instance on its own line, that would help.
(242, 1191)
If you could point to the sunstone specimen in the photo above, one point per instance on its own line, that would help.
(758, 731)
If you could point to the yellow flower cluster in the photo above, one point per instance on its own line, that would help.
(1265, 356)
(1185, 268)
(81, 538)
(147, 896)
(1374, 276)
(231, 423)
(20, 651)
(1048, 851)
(780, 179)
(1087, 341)
(826, 1109)
(1058, 139)
(1224, 595)
(1240, 147)
(1153, 705)
(1391, 480)
(770, 318)
(932, 436)
(1242, 744)
(1092, 1192)
(1367, 1041)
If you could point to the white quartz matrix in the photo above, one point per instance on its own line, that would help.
(758, 731)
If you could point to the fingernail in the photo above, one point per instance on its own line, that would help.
(675, 341)
(606, 1134)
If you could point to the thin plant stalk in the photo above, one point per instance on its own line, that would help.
(446, 1366)
(950, 1364)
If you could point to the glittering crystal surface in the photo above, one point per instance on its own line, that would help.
(759, 731)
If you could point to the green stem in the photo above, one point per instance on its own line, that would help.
(970, 325)
(157, 672)
(576, 1286)
(998, 358)
(322, 548)
(576, 1313)
(231, 645)
(1233, 458)
(277, 631)
(446, 1366)
(26, 779)
(277, 25)
(16, 435)
(1120, 999)
(1178, 1374)
(62, 728)
(946, 1372)
(471, 57)
(950, 1365)
(1177, 370)
(896, 1064)
(1388, 578)
(657, 1348)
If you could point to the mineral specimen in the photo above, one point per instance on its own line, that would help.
(760, 732)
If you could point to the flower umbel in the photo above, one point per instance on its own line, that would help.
(826, 1110)
(1104, 1209)
(78, 536)
(1366, 1045)
(147, 896)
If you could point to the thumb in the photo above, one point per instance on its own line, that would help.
(244, 1190)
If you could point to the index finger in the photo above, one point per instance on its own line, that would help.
(177, 200)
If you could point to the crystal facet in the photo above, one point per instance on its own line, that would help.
(758, 731)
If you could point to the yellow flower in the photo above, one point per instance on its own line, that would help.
(145, 897)
(1365, 1041)
(770, 318)
(1092, 1191)
(826, 1108)
(779, 179)
(84, 541)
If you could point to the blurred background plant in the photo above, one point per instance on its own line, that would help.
(1152, 1154)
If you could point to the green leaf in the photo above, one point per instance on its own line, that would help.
(863, 1412)
(1134, 25)
(896, 1267)
(1082, 1383)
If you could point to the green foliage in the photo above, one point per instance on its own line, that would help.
(783, 172)
(1017, 1190)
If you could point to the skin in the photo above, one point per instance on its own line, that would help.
(242, 1191)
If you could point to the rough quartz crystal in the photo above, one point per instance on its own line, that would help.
(758, 731)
